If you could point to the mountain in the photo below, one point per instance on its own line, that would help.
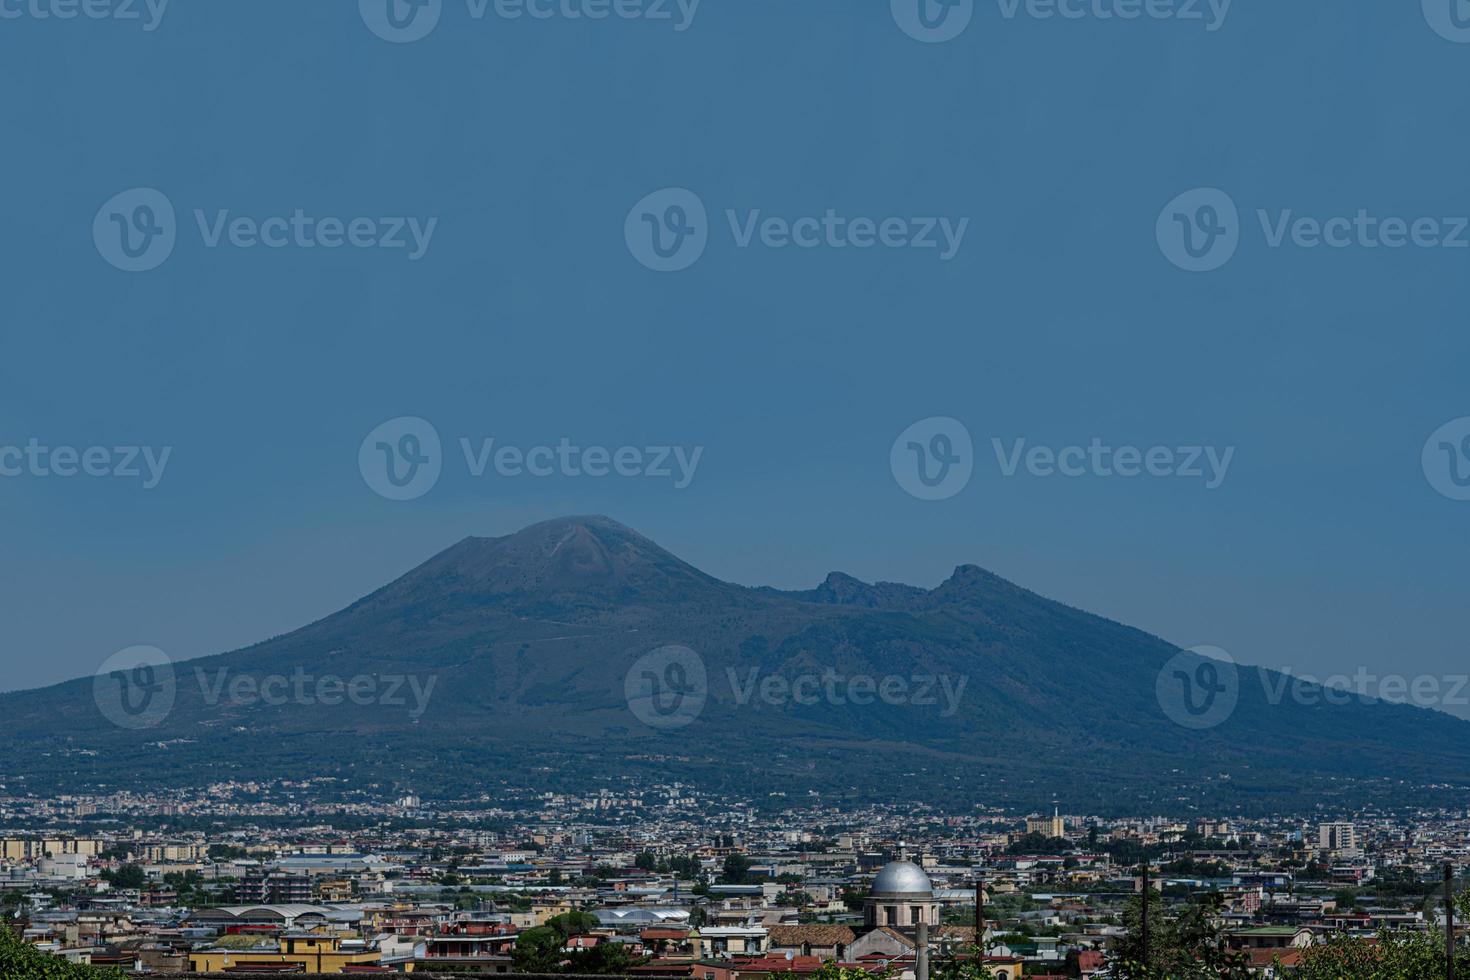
(539, 660)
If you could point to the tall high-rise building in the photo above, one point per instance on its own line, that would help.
(1340, 838)
(1052, 826)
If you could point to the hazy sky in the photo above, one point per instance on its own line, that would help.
(529, 319)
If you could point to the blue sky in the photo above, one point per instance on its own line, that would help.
(528, 319)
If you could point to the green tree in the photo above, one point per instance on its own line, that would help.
(966, 964)
(22, 961)
(539, 950)
(831, 971)
(1187, 946)
(128, 876)
(1396, 955)
(736, 870)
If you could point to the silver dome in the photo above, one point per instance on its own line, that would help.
(902, 878)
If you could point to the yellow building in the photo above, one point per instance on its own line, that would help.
(334, 890)
(316, 953)
(172, 851)
(30, 849)
(1052, 826)
(542, 911)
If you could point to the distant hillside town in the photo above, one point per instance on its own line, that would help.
(670, 882)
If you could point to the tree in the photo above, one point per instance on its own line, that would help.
(606, 957)
(539, 950)
(736, 870)
(965, 965)
(831, 971)
(1397, 955)
(128, 876)
(1188, 946)
(22, 961)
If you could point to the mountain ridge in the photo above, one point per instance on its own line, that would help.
(528, 643)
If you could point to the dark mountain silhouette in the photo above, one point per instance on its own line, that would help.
(528, 642)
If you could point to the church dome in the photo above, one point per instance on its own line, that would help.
(902, 879)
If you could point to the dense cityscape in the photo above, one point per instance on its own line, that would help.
(668, 881)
